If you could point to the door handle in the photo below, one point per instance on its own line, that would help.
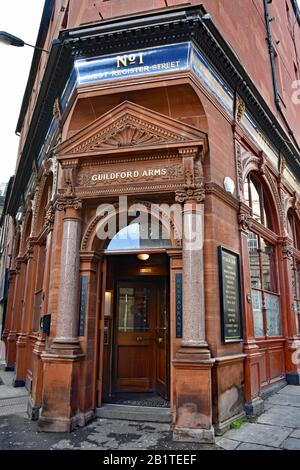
(160, 340)
(139, 338)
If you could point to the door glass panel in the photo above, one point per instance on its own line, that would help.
(133, 309)
(273, 315)
(257, 313)
(268, 266)
(253, 248)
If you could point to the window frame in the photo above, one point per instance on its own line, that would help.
(264, 229)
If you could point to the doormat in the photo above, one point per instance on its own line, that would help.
(138, 399)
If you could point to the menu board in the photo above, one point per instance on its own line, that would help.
(230, 295)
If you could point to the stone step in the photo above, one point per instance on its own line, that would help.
(134, 413)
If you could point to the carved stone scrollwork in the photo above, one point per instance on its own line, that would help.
(68, 202)
(190, 194)
(240, 108)
(281, 164)
(262, 163)
(244, 219)
(192, 171)
(50, 215)
(67, 198)
(287, 250)
(239, 168)
(29, 247)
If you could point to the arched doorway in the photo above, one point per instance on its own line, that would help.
(136, 313)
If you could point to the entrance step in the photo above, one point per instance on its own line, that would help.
(134, 413)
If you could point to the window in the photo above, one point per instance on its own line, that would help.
(256, 199)
(138, 236)
(265, 297)
(295, 267)
(263, 262)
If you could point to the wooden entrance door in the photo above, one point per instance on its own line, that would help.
(140, 338)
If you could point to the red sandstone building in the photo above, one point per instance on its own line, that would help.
(164, 102)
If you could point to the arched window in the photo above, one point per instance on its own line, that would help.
(138, 236)
(293, 230)
(263, 262)
(256, 198)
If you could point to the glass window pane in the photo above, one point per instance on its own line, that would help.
(297, 314)
(273, 315)
(256, 203)
(268, 266)
(133, 309)
(137, 236)
(246, 191)
(257, 313)
(290, 227)
(254, 260)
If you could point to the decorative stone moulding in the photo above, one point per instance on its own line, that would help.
(133, 127)
(186, 195)
(68, 202)
(287, 250)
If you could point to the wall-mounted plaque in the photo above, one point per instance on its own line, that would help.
(84, 281)
(230, 295)
(178, 304)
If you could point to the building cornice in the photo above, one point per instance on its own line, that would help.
(128, 33)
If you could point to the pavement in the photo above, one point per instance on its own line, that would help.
(277, 428)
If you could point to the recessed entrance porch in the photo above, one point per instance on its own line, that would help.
(136, 331)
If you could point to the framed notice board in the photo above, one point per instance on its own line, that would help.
(230, 295)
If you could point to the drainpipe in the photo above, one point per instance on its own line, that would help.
(273, 69)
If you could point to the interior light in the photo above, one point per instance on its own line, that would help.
(143, 256)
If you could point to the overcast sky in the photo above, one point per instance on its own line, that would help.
(21, 18)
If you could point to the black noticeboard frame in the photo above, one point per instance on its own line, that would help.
(238, 284)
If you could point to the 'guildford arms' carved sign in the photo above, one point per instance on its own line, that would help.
(115, 175)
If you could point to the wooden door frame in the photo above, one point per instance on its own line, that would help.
(167, 279)
(130, 281)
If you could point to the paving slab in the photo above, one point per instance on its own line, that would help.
(282, 399)
(227, 444)
(261, 434)
(7, 377)
(247, 446)
(287, 416)
(290, 390)
(291, 443)
(296, 433)
(18, 432)
(11, 392)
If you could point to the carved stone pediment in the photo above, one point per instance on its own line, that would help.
(127, 126)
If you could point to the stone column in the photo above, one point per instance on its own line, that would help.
(27, 307)
(14, 312)
(67, 315)
(35, 400)
(193, 363)
(61, 362)
(193, 285)
(6, 335)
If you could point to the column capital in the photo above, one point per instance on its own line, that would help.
(65, 202)
(185, 195)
